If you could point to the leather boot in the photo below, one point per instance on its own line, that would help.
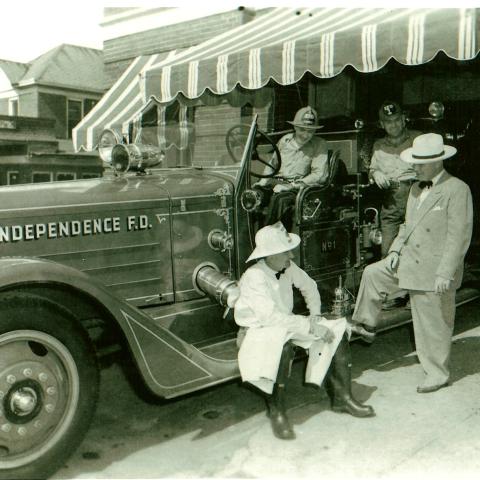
(278, 416)
(338, 384)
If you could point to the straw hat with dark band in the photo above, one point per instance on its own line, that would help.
(428, 148)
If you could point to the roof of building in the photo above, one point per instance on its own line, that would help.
(13, 70)
(65, 66)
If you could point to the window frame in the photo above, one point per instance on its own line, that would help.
(11, 172)
(77, 100)
(40, 172)
(74, 174)
(13, 101)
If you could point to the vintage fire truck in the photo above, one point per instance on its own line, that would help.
(146, 259)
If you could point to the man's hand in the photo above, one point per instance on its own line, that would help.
(381, 179)
(392, 261)
(282, 187)
(320, 331)
(298, 185)
(260, 183)
(442, 285)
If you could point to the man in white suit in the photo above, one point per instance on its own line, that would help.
(269, 330)
(426, 258)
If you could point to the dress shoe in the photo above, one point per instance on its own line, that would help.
(432, 388)
(361, 332)
(351, 406)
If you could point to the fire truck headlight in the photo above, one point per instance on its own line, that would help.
(376, 236)
(436, 109)
(108, 139)
(250, 200)
(135, 156)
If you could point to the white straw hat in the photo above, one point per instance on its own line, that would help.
(273, 239)
(427, 148)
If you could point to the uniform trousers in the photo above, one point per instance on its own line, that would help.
(392, 215)
(433, 318)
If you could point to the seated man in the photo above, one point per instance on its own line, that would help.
(269, 330)
(304, 162)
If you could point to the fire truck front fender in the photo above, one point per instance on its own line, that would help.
(20, 272)
(44, 276)
(149, 342)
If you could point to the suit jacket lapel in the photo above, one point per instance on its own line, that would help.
(416, 214)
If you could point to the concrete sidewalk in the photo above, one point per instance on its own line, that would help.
(224, 433)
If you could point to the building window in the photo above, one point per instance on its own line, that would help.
(13, 107)
(74, 115)
(88, 104)
(38, 177)
(90, 175)
(13, 177)
(62, 176)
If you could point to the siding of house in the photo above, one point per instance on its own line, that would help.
(28, 103)
(3, 106)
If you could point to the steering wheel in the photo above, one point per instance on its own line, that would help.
(264, 150)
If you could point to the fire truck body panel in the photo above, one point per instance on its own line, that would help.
(121, 230)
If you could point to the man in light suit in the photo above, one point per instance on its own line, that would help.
(426, 258)
(269, 328)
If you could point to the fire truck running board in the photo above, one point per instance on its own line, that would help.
(224, 350)
(401, 315)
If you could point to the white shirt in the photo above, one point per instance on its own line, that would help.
(427, 190)
(266, 301)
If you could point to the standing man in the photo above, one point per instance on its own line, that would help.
(304, 162)
(426, 258)
(393, 175)
(269, 330)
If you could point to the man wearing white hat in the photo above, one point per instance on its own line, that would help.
(304, 162)
(268, 330)
(426, 258)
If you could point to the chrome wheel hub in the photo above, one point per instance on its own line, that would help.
(23, 401)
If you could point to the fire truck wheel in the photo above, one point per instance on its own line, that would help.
(48, 386)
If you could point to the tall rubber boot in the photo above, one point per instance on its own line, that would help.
(338, 384)
(276, 402)
(278, 416)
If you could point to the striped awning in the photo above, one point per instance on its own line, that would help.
(284, 43)
(118, 106)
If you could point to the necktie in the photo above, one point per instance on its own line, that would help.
(280, 272)
(427, 184)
